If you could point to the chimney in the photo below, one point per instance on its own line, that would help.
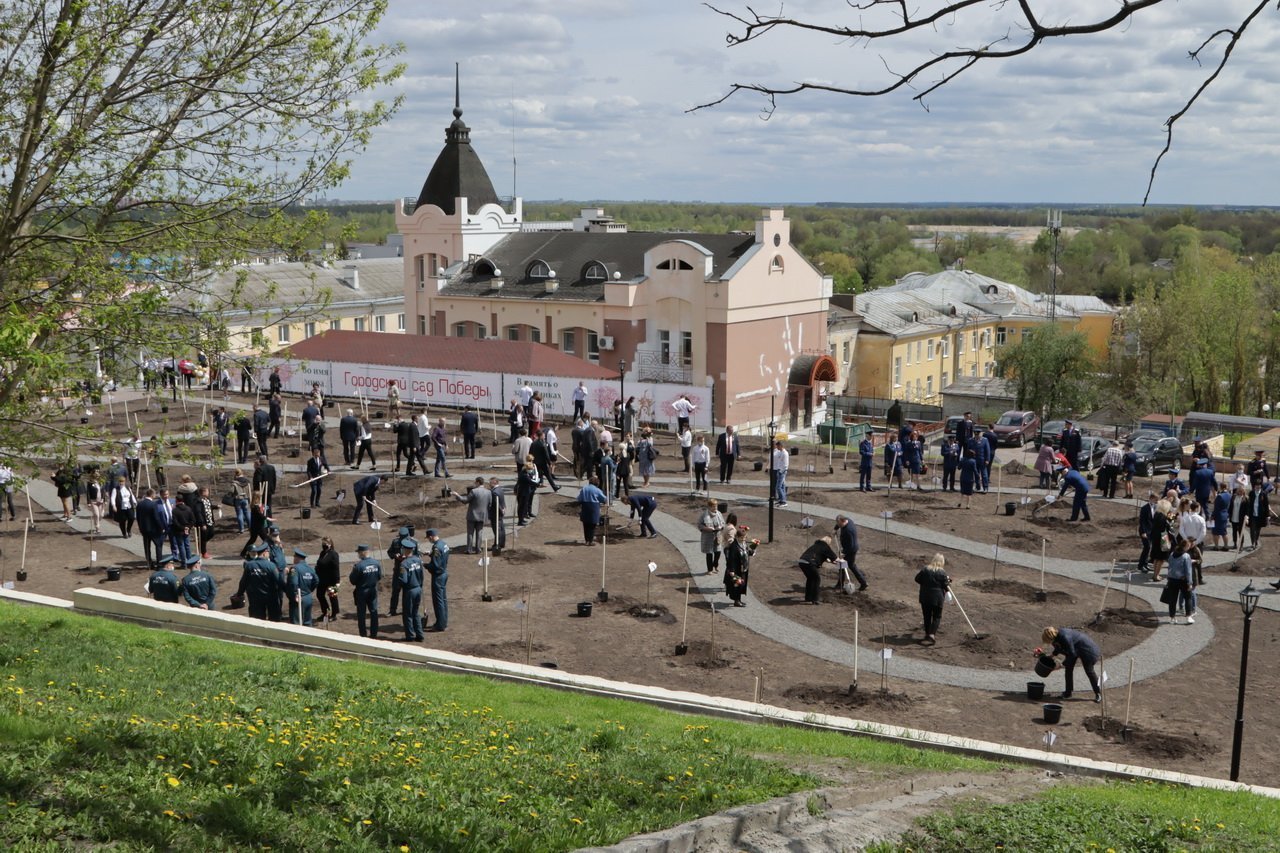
(351, 276)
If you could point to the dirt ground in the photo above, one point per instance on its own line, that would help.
(1181, 720)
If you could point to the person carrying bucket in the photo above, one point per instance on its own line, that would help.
(1075, 645)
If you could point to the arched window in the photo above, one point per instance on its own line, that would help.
(664, 265)
(684, 265)
(595, 271)
(485, 267)
(538, 270)
(776, 265)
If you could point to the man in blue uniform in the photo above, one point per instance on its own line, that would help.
(411, 576)
(438, 566)
(1073, 479)
(396, 552)
(950, 463)
(866, 454)
(364, 578)
(300, 585)
(847, 533)
(645, 505)
(163, 583)
(366, 495)
(1072, 443)
(261, 581)
(198, 587)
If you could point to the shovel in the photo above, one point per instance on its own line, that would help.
(956, 599)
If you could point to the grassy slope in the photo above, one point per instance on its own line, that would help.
(154, 740)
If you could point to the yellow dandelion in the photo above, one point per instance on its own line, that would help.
(404, 848)
(173, 781)
(367, 822)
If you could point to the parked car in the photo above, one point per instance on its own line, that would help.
(1016, 428)
(1157, 455)
(1050, 433)
(1146, 433)
(1092, 449)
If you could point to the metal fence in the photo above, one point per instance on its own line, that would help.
(877, 407)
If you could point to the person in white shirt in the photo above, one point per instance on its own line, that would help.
(683, 408)
(686, 445)
(423, 425)
(781, 461)
(700, 454)
(580, 401)
(1192, 528)
(525, 394)
(553, 445)
(520, 450)
(6, 485)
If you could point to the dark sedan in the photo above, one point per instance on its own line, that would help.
(1157, 455)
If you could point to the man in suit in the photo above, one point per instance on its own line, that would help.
(645, 505)
(1146, 519)
(275, 415)
(847, 534)
(729, 450)
(261, 429)
(1072, 443)
(310, 414)
(497, 514)
(366, 494)
(1073, 479)
(180, 530)
(147, 526)
(542, 460)
(866, 455)
(477, 500)
(349, 433)
(264, 474)
(1259, 509)
(964, 430)
(407, 446)
(469, 428)
(273, 381)
(244, 431)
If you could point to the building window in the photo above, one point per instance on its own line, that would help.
(255, 336)
(945, 377)
(459, 330)
(282, 334)
(309, 330)
(593, 346)
(481, 331)
(422, 324)
(335, 325)
(421, 264)
(988, 368)
(567, 343)
(919, 389)
(380, 323)
(776, 265)
(908, 353)
(539, 270)
(929, 349)
(974, 340)
(960, 343)
(845, 350)
(686, 349)
(897, 372)
(400, 322)
(595, 271)
(535, 334)
(919, 349)
(973, 369)
(664, 346)
(513, 333)
(360, 324)
(928, 385)
(1001, 335)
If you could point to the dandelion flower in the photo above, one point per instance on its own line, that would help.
(173, 781)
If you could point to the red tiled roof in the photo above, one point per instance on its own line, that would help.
(441, 353)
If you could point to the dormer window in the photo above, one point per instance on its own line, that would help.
(664, 265)
(539, 270)
(485, 267)
(992, 290)
(683, 265)
(595, 271)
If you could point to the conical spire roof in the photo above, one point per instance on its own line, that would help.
(458, 172)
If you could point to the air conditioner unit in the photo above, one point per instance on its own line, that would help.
(605, 342)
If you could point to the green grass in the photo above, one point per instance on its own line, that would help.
(1120, 816)
(151, 740)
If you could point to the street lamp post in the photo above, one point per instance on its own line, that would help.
(622, 386)
(1248, 601)
(773, 431)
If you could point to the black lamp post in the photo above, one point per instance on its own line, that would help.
(773, 431)
(622, 385)
(1248, 602)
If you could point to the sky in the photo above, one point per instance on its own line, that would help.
(593, 98)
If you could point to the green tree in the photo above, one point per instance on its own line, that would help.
(1051, 370)
(143, 143)
(890, 267)
(843, 271)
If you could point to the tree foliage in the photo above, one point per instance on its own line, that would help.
(1051, 370)
(145, 141)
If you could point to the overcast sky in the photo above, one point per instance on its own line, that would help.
(598, 90)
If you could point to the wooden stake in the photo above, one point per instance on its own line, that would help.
(25, 531)
(1105, 586)
(884, 660)
(855, 646)
(684, 622)
(1102, 683)
(996, 558)
(31, 519)
(1044, 544)
(528, 615)
(1128, 702)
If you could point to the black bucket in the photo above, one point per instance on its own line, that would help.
(1035, 690)
(113, 574)
(722, 507)
(757, 466)
(1010, 508)
(584, 608)
(1052, 713)
(306, 512)
(22, 574)
(1045, 665)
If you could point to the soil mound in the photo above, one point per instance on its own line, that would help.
(843, 697)
(1161, 744)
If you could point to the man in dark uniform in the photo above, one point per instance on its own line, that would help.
(1146, 521)
(264, 474)
(542, 460)
(244, 431)
(729, 450)
(645, 505)
(397, 552)
(992, 441)
(469, 427)
(364, 578)
(498, 514)
(411, 577)
(1073, 479)
(199, 589)
(950, 463)
(261, 581)
(964, 430)
(300, 583)
(847, 533)
(163, 583)
(1072, 443)
(866, 454)
(366, 495)
(310, 414)
(349, 433)
(1257, 466)
(261, 429)
(438, 566)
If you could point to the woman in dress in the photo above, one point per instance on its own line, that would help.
(934, 584)
(330, 573)
(537, 412)
(968, 477)
(646, 455)
(63, 479)
(124, 507)
(710, 526)
(737, 567)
